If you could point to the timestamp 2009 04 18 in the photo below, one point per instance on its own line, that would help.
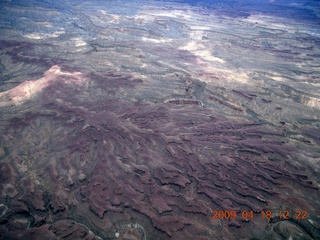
(265, 214)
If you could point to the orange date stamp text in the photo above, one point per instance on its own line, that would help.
(264, 214)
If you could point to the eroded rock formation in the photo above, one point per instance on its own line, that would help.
(140, 126)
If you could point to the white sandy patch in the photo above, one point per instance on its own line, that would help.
(206, 55)
(222, 77)
(200, 28)
(78, 42)
(103, 11)
(44, 35)
(313, 102)
(28, 89)
(196, 35)
(113, 18)
(45, 24)
(231, 75)
(212, 65)
(199, 50)
(279, 78)
(155, 40)
(177, 14)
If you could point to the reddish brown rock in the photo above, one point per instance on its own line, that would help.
(148, 121)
